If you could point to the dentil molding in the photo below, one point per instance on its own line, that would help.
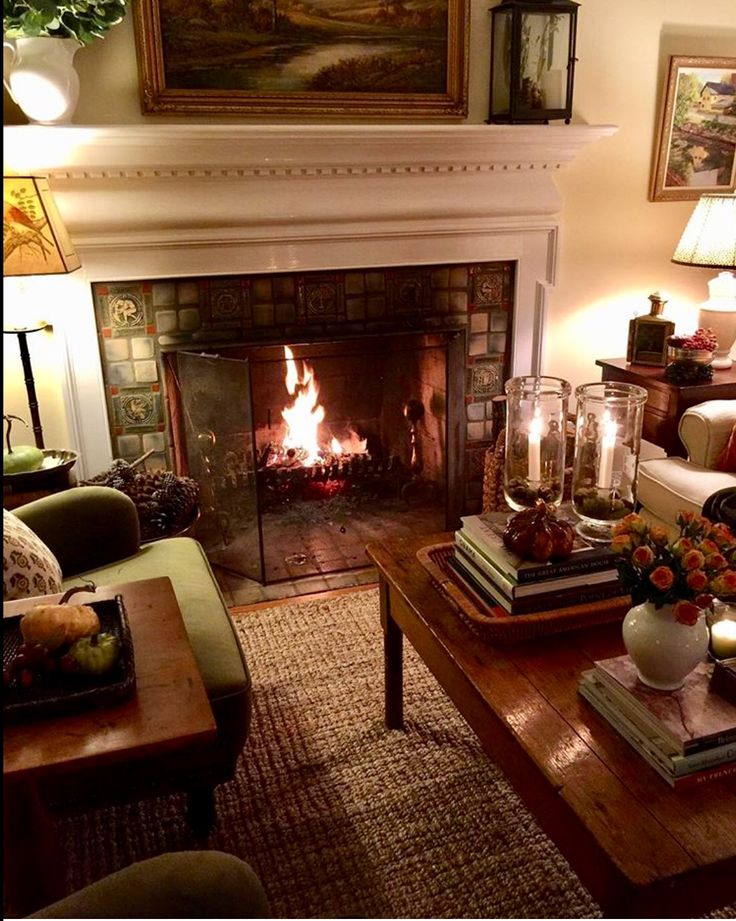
(204, 185)
(222, 151)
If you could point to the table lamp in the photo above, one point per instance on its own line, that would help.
(709, 240)
(35, 242)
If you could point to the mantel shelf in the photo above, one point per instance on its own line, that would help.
(232, 151)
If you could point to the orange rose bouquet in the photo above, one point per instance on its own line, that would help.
(688, 572)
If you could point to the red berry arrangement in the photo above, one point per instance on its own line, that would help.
(701, 340)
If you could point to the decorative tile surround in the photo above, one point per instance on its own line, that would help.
(136, 320)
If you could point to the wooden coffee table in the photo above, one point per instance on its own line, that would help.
(641, 849)
(169, 713)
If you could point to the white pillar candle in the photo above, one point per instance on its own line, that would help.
(608, 443)
(552, 89)
(723, 638)
(535, 440)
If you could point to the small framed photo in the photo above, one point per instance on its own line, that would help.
(353, 59)
(696, 146)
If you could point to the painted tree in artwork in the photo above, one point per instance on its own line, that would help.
(688, 92)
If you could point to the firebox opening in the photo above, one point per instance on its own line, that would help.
(307, 452)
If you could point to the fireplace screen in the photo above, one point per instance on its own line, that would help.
(306, 453)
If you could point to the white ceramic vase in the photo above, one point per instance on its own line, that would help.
(42, 79)
(663, 650)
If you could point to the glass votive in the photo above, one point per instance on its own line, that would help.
(722, 625)
(607, 442)
(534, 464)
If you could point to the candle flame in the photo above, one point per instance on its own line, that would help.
(610, 428)
(535, 426)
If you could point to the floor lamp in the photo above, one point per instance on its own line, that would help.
(35, 242)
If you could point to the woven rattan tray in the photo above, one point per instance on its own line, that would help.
(62, 693)
(496, 625)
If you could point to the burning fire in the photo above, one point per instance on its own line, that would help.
(305, 415)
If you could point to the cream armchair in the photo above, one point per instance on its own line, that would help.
(668, 485)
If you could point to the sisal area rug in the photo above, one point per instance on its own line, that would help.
(338, 816)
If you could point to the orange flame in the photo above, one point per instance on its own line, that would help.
(305, 414)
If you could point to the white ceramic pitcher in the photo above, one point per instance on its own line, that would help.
(42, 79)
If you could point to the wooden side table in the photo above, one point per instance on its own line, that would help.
(168, 714)
(667, 402)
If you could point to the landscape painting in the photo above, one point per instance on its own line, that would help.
(384, 58)
(696, 151)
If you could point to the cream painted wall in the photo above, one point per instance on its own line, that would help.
(26, 301)
(615, 244)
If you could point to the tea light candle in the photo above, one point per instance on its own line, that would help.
(535, 441)
(608, 443)
(723, 638)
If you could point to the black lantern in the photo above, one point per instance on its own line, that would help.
(532, 61)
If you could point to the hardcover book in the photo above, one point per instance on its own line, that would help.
(690, 719)
(514, 589)
(486, 532)
(680, 772)
(539, 601)
(648, 742)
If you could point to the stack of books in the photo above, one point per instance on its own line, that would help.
(688, 736)
(490, 571)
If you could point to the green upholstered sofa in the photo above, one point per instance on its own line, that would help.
(185, 884)
(94, 533)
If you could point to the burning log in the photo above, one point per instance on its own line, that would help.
(348, 473)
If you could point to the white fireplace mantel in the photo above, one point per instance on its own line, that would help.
(244, 182)
(157, 201)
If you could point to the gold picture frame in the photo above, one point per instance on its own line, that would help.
(696, 144)
(304, 58)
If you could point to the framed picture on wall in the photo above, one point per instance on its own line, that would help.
(351, 58)
(696, 145)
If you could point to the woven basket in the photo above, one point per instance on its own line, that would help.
(495, 625)
(493, 499)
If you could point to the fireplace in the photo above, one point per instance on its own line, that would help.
(218, 231)
(395, 369)
(305, 453)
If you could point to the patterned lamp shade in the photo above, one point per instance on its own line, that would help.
(35, 240)
(709, 238)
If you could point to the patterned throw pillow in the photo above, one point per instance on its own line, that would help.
(29, 567)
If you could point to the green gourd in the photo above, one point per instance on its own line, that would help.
(23, 458)
(96, 654)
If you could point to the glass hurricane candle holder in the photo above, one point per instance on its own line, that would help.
(534, 465)
(722, 626)
(607, 441)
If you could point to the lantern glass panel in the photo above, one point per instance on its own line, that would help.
(501, 77)
(545, 51)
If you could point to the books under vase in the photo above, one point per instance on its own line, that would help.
(688, 736)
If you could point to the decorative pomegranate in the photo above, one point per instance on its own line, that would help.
(537, 534)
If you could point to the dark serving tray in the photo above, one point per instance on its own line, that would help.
(63, 693)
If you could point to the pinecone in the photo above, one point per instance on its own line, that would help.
(164, 501)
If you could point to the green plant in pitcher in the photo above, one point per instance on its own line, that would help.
(84, 20)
